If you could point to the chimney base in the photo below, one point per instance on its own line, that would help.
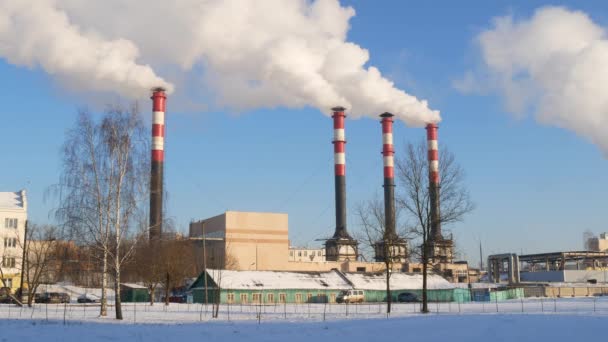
(341, 249)
(441, 251)
(395, 250)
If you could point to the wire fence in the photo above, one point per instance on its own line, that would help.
(191, 313)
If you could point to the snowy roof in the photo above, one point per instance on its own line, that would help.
(398, 281)
(241, 280)
(133, 285)
(11, 200)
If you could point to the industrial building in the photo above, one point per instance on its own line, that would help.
(563, 267)
(273, 287)
(13, 218)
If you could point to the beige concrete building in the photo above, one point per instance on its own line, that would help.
(13, 217)
(258, 241)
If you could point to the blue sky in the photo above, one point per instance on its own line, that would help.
(536, 188)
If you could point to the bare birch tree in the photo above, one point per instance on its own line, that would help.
(414, 197)
(372, 221)
(40, 257)
(103, 185)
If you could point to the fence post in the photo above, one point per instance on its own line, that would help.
(542, 306)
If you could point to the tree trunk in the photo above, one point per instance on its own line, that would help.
(117, 301)
(151, 290)
(425, 302)
(104, 284)
(167, 289)
(389, 296)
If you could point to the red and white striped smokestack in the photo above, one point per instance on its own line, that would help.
(434, 180)
(340, 172)
(158, 158)
(388, 153)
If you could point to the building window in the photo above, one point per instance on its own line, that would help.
(298, 298)
(8, 262)
(270, 298)
(305, 253)
(290, 253)
(10, 223)
(257, 298)
(309, 298)
(10, 242)
(319, 253)
(332, 298)
(417, 270)
(299, 253)
(282, 297)
(230, 298)
(244, 298)
(8, 282)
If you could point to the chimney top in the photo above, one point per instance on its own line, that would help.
(386, 115)
(338, 109)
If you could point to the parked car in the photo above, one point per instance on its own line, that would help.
(407, 297)
(88, 298)
(5, 296)
(176, 299)
(351, 296)
(54, 298)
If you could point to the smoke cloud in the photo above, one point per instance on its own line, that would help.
(554, 64)
(244, 54)
(35, 33)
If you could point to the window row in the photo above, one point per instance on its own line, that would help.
(10, 223)
(306, 253)
(270, 297)
(10, 242)
(8, 262)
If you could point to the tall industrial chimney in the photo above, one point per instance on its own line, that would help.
(391, 247)
(340, 172)
(388, 153)
(158, 159)
(341, 246)
(433, 151)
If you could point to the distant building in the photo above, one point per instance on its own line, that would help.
(300, 254)
(13, 217)
(598, 244)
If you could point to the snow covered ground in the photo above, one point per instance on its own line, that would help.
(565, 319)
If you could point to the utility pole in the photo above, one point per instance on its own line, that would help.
(205, 265)
(480, 258)
(23, 262)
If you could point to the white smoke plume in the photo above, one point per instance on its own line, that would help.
(554, 64)
(36, 33)
(248, 53)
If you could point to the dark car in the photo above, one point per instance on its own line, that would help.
(54, 298)
(176, 299)
(87, 298)
(407, 297)
(5, 296)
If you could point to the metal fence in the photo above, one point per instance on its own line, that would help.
(191, 313)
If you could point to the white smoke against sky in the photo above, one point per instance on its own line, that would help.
(36, 33)
(554, 64)
(249, 53)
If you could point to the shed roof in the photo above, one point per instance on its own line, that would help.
(265, 280)
(398, 281)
